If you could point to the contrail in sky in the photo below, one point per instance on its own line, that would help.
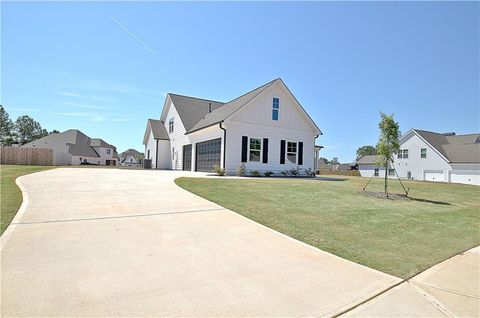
(133, 35)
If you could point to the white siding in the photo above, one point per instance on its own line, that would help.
(369, 170)
(208, 133)
(418, 166)
(465, 173)
(164, 160)
(151, 147)
(255, 121)
(177, 139)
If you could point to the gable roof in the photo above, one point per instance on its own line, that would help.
(192, 109)
(229, 108)
(158, 130)
(454, 148)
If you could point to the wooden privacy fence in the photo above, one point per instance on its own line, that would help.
(26, 156)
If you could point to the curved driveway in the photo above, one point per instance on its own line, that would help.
(113, 242)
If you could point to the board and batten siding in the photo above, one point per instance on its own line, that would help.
(254, 120)
(177, 138)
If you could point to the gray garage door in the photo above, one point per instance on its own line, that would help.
(187, 157)
(207, 155)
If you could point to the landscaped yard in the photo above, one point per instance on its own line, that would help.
(401, 237)
(11, 195)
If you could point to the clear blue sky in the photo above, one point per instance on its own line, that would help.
(74, 65)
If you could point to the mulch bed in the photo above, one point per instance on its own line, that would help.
(382, 195)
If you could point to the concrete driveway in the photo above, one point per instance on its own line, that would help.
(112, 242)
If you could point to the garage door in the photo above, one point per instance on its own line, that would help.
(466, 177)
(207, 155)
(434, 176)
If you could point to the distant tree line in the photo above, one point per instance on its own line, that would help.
(23, 130)
(334, 160)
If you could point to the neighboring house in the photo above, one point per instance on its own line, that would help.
(72, 147)
(322, 165)
(431, 156)
(265, 129)
(129, 161)
(345, 166)
(368, 167)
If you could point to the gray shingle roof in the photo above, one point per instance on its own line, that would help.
(158, 129)
(456, 148)
(368, 160)
(192, 109)
(228, 109)
(97, 142)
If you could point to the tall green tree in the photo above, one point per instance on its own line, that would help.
(27, 129)
(388, 142)
(366, 150)
(6, 128)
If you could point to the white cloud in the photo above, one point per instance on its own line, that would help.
(86, 106)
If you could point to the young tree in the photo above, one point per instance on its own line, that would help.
(6, 128)
(27, 129)
(366, 150)
(388, 142)
(334, 161)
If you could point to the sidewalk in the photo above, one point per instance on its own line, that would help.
(448, 289)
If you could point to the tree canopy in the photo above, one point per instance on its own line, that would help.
(25, 129)
(388, 142)
(366, 150)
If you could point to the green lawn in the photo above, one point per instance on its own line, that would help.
(401, 237)
(11, 196)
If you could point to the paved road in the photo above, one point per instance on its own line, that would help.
(112, 242)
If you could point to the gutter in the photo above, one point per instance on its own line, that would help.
(224, 142)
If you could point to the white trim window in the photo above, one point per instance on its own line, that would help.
(275, 108)
(170, 125)
(255, 149)
(292, 151)
(376, 172)
(423, 153)
(405, 153)
(109, 151)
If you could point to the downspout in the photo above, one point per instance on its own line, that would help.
(224, 143)
(156, 156)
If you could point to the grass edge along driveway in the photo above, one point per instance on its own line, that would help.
(401, 237)
(11, 196)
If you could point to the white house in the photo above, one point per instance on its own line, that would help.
(430, 156)
(129, 160)
(266, 129)
(72, 147)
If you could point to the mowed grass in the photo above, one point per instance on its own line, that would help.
(11, 196)
(401, 237)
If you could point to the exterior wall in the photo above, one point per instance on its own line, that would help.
(419, 166)
(62, 158)
(151, 147)
(369, 170)
(255, 121)
(465, 173)
(208, 133)
(164, 159)
(77, 160)
(177, 139)
(102, 152)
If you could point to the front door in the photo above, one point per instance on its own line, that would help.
(187, 157)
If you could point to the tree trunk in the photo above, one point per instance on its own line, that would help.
(386, 182)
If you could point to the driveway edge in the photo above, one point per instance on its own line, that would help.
(21, 211)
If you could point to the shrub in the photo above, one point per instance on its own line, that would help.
(294, 171)
(284, 173)
(219, 171)
(255, 173)
(309, 172)
(242, 170)
(268, 173)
